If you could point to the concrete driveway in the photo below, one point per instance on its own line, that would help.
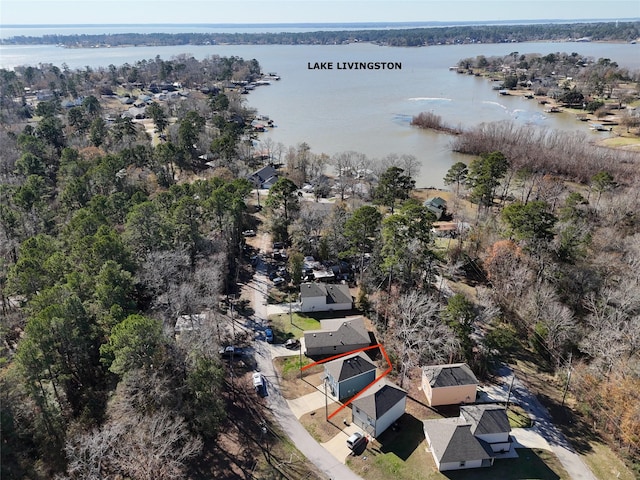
(307, 403)
(337, 446)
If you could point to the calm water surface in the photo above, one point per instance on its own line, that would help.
(363, 110)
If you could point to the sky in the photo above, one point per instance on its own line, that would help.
(38, 12)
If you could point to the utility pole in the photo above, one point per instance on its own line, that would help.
(510, 387)
(566, 387)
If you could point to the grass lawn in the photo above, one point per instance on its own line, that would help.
(403, 455)
(375, 464)
(600, 458)
(518, 418)
(604, 464)
(285, 327)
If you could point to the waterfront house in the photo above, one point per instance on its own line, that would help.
(264, 178)
(336, 336)
(348, 375)
(379, 407)
(449, 384)
(320, 297)
(437, 206)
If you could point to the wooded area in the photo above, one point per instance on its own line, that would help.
(113, 227)
(404, 37)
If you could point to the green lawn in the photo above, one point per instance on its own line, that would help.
(294, 326)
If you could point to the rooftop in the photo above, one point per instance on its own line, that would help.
(449, 375)
(486, 419)
(379, 399)
(452, 441)
(349, 366)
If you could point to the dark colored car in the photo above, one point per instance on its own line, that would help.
(292, 343)
(268, 334)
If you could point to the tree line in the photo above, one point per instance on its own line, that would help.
(405, 37)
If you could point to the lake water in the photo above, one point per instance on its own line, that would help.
(363, 110)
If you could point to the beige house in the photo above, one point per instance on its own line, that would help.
(449, 384)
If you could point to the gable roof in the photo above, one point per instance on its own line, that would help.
(449, 375)
(350, 366)
(452, 441)
(333, 293)
(264, 174)
(379, 399)
(486, 419)
(437, 202)
(350, 332)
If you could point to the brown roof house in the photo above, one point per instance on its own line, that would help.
(336, 336)
(449, 384)
(348, 375)
(320, 297)
(472, 440)
(379, 407)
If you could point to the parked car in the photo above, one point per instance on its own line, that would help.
(292, 343)
(258, 383)
(230, 351)
(268, 334)
(279, 281)
(249, 233)
(356, 441)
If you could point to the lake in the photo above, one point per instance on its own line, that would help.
(363, 110)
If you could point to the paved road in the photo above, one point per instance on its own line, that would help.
(543, 425)
(319, 456)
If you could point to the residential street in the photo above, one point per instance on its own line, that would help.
(318, 455)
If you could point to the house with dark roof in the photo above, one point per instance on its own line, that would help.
(340, 336)
(454, 447)
(472, 440)
(378, 407)
(490, 424)
(449, 384)
(320, 297)
(264, 178)
(436, 205)
(348, 375)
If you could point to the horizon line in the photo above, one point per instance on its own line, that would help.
(277, 24)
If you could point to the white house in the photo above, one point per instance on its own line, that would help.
(449, 384)
(378, 407)
(320, 297)
(454, 447)
(472, 440)
(490, 424)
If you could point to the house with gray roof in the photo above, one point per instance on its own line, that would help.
(321, 297)
(348, 375)
(489, 423)
(436, 205)
(336, 338)
(454, 447)
(449, 384)
(379, 407)
(264, 178)
(472, 440)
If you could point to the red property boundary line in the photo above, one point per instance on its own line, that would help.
(383, 374)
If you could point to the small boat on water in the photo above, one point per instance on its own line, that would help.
(552, 110)
(599, 127)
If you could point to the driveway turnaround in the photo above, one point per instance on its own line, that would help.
(543, 426)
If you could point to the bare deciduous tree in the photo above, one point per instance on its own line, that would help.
(418, 333)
